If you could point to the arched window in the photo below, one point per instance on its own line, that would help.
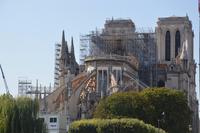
(177, 42)
(167, 46)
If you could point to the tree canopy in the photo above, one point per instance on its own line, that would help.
(161, 107)
(19, 115)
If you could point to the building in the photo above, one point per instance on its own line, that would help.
(175, 50)
(121, 58)
(55, 123)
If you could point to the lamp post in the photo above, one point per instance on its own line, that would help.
(161, 120)
(158, 123)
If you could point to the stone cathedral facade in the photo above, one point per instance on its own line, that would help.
(121, 58)
(175, 49)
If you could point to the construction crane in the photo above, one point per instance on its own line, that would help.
(4, 79)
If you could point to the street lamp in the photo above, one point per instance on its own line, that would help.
(162, 119)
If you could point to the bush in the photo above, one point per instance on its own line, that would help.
(112, 126)
(167, 106)
(118, 105)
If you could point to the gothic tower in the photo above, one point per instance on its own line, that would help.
(175, 52)
(171, 32)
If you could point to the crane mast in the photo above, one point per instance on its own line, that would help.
(4, 79)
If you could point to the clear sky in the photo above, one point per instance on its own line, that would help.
(29, 29)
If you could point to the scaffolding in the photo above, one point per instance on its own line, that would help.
(27, 89)
(24, 85)
(84, 47)
(125, 41)
(140, 45)
(57, 65)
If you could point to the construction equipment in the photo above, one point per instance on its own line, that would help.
(4, 79)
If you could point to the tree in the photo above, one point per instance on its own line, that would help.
(6, 108)
(161, 107)
(19, 115)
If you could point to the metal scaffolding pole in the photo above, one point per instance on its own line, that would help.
(199, 45)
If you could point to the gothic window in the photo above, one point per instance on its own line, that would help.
(177, 42)
(102, 80)
(104, 86)
(117, 76)
(167, 46)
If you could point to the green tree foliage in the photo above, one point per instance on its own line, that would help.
(161, 107)
(112, 126)
(19, 115)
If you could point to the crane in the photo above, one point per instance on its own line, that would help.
(4, 79)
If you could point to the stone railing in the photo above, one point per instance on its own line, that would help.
(129, 59)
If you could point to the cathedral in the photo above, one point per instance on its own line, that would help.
(121, 58)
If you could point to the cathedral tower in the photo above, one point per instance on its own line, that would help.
(175, 52)
(171, 32)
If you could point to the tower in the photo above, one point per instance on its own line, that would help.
(175, 52)
(171, 32)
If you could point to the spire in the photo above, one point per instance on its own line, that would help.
(64, 44)
(64, 50)
(63, 37)
(184, 53)
(72, 46)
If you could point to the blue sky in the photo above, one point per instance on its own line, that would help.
(29, 29)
